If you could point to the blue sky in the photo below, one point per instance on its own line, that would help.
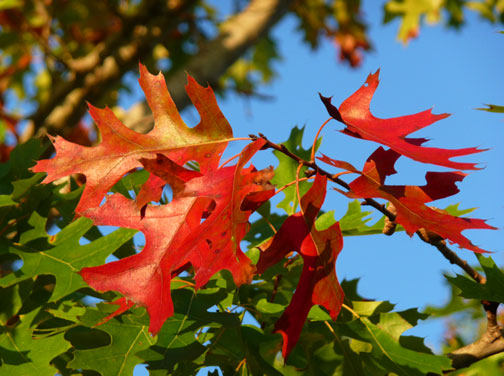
(452, 71)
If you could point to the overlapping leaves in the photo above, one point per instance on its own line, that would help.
(409, 201)
(318, 283)
(199, 232)
(121, 148)
(354, 112)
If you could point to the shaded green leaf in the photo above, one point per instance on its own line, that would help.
(383, 332)
(128, 335)
(23, 355)
(6, 200)
(492, 290)
(66, 258)
(285, 173)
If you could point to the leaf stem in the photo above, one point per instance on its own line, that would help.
(298, 194)
(229, 160)
(292, 183)
(312, 156)
(350, 310)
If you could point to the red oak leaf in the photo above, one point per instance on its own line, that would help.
(163, 170)
(236, 192)
(409, 200)
(121, 148)
(145, 278)
(151, 190)
(175, 236)
(354, 112)
(318, 283)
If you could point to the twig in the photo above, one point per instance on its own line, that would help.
(454, 259)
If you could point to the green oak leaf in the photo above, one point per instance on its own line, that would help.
(21, 158)
(6, 200)
(128, 333)
(181, 342)
(244, 350)
(13, 298)
(66, 257)
(177, 348)
(131, 182)
(286, 171)
(492, 290)
(22, 186)
(390, 351)
(491, 366)
(68, 310)
(353, 223)
(37, 232)
(23, 355)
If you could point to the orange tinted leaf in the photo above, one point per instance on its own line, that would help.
(121, 148)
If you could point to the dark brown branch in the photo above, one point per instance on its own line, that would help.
(236, 36)
(214, 57)
(453, 258)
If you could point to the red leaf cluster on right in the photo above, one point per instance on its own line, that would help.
(409, 201)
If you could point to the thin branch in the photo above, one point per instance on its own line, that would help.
(454, 259)
(236, 36)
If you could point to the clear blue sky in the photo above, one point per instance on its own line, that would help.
(452, 71)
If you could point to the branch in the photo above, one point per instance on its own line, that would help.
(90, 76)
(235, 37)
(490, 343)
(107, 63)
(214, 57)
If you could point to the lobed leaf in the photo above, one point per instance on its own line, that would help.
(127, 337)
(176, 236)
(22, 355)
(412, 213)
(61, 262)
(490, 291)
(318, 283)
(354, 112)
(383, 332)
(122, 148)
